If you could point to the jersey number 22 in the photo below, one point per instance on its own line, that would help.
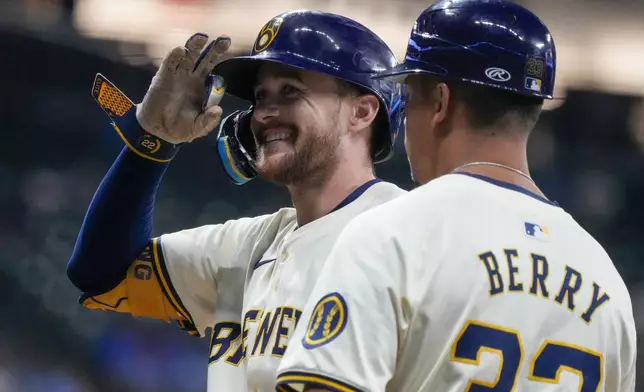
(546, 364)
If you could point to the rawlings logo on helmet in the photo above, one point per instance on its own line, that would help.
(267, 34)
(498, 74)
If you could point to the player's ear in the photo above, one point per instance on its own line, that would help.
(441, 100)
(365, 109)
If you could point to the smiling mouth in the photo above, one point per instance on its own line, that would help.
(275, 135)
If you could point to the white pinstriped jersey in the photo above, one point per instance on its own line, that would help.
(249, 279)
(465, 283)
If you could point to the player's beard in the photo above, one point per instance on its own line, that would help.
(311, 158)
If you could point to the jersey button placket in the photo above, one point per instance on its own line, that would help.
(280, 260)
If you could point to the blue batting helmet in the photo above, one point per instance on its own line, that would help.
(495, 43)
(327, 43)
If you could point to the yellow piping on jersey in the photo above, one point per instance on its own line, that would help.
(314, 379)
(165, 284)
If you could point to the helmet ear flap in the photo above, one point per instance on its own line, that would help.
(390, 121)
(236, 147)
(245, 135)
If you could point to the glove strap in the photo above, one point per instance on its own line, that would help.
(122, 112)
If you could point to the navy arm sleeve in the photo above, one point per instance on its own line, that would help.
(117, 225)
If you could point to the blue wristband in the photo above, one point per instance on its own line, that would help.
(122, 111)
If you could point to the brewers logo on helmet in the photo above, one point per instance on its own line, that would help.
(267, 34)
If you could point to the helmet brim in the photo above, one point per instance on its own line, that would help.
(240, 73)
(413, 67)
(409, 67)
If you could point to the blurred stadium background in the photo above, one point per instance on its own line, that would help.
(587, 154)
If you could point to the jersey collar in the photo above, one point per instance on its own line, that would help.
(512, 187)
(353, 196)
(356, 194)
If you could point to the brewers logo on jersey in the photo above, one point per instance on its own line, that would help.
(328, 320)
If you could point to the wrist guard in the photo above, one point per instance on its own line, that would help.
(122, 112)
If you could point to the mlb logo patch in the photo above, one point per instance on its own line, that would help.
(539, 232)
(533, 84)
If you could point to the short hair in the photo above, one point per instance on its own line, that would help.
(489, 107)
(377, 139)
(346, 89)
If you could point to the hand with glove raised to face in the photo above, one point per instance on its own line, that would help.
(173, 108)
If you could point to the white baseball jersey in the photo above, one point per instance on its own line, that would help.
(249, 279)
(466, 283)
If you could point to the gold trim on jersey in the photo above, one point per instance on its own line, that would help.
(139, 294)
(160, 268)
(303, 379)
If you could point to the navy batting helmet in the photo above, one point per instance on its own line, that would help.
(491, 42)
(316, 41)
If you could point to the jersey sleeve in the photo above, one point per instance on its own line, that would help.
(347, 339)
(629, 373)
(187, 276)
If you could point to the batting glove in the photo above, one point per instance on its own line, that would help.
(174, 108)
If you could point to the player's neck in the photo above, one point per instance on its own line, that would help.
(506, 151)
(314, 201)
